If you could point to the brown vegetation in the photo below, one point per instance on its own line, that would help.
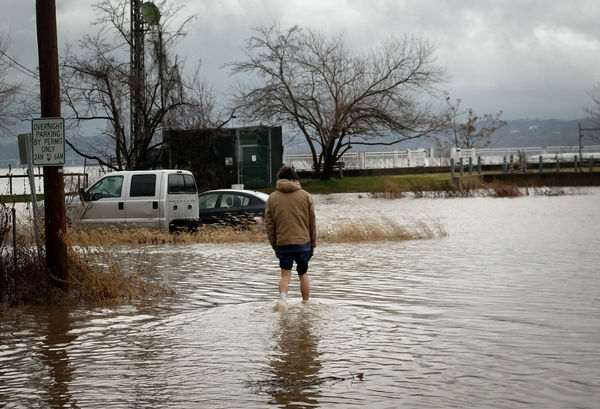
(461, 189)
(347, 232)
(385, 230)
(498, 189)
(93, 276)
(142, 236)
(390, 191)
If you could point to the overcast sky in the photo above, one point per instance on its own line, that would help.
(530, 59)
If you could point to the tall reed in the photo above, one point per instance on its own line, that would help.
(382, 230)
(346, 232)
(93, 276)
(389, 191)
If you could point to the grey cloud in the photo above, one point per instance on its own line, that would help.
(531, 59)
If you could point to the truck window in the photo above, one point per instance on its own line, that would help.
(190, 184)
(109, 186)
(143, 185)
(180, 183)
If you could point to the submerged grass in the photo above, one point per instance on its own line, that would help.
(96, 277)
(390, 191)
(472, 187)
(346, 232)
(93, 276)
(439, 185)
(142, 236)
(384, 230)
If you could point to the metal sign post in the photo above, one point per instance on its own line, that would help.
(25, 139)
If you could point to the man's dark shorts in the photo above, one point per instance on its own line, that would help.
(286, 261)
(300, 254)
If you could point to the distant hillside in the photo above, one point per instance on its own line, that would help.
(517, 133)
(549, 132)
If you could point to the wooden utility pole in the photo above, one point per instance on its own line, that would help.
(54, 186)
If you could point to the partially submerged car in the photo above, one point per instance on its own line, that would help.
(165, 199)
(232, 207)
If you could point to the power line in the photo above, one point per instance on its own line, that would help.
(21, 68)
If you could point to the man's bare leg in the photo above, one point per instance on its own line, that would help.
(284, 283)
(305, 286)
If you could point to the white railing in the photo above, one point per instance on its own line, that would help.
(494, 156)
(367, 160)
(429, 157)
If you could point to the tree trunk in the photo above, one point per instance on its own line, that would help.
(328, 162)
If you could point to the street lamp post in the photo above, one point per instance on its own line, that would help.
(137, 70)
(140, 14)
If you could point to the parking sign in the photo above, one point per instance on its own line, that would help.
(48, 141)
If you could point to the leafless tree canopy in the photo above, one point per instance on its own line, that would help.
(337, 98)
(8, 91)
(594, 110)
(465, 129)
(97, 79)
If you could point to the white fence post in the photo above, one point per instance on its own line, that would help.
(361, 160)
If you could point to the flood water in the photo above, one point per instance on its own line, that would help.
(503, 312)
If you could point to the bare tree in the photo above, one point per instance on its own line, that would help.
(336, 98)
(200, 110)
(465, 129)
(97, 81)
(594, 110)
(9, 90)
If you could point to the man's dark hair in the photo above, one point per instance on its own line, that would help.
(287, 172)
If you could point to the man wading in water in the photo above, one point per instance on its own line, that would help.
(291, 229)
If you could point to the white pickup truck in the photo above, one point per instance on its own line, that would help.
(165, 199)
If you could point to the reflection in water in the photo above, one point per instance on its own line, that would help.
(54, 356)
(295, 362)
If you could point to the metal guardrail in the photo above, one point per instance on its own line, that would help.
(495, 156)
(366, 160)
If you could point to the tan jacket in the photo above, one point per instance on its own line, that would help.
(290, 215)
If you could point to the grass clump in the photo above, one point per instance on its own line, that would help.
(499, 189)
(346, 232)
(390, 191)
(93, 276)
(143, 236)
(472, 189)
(384, 230)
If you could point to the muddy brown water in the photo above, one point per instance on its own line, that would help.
(504, 312)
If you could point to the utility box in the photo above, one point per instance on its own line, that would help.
(220, 158)
(259, 155)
